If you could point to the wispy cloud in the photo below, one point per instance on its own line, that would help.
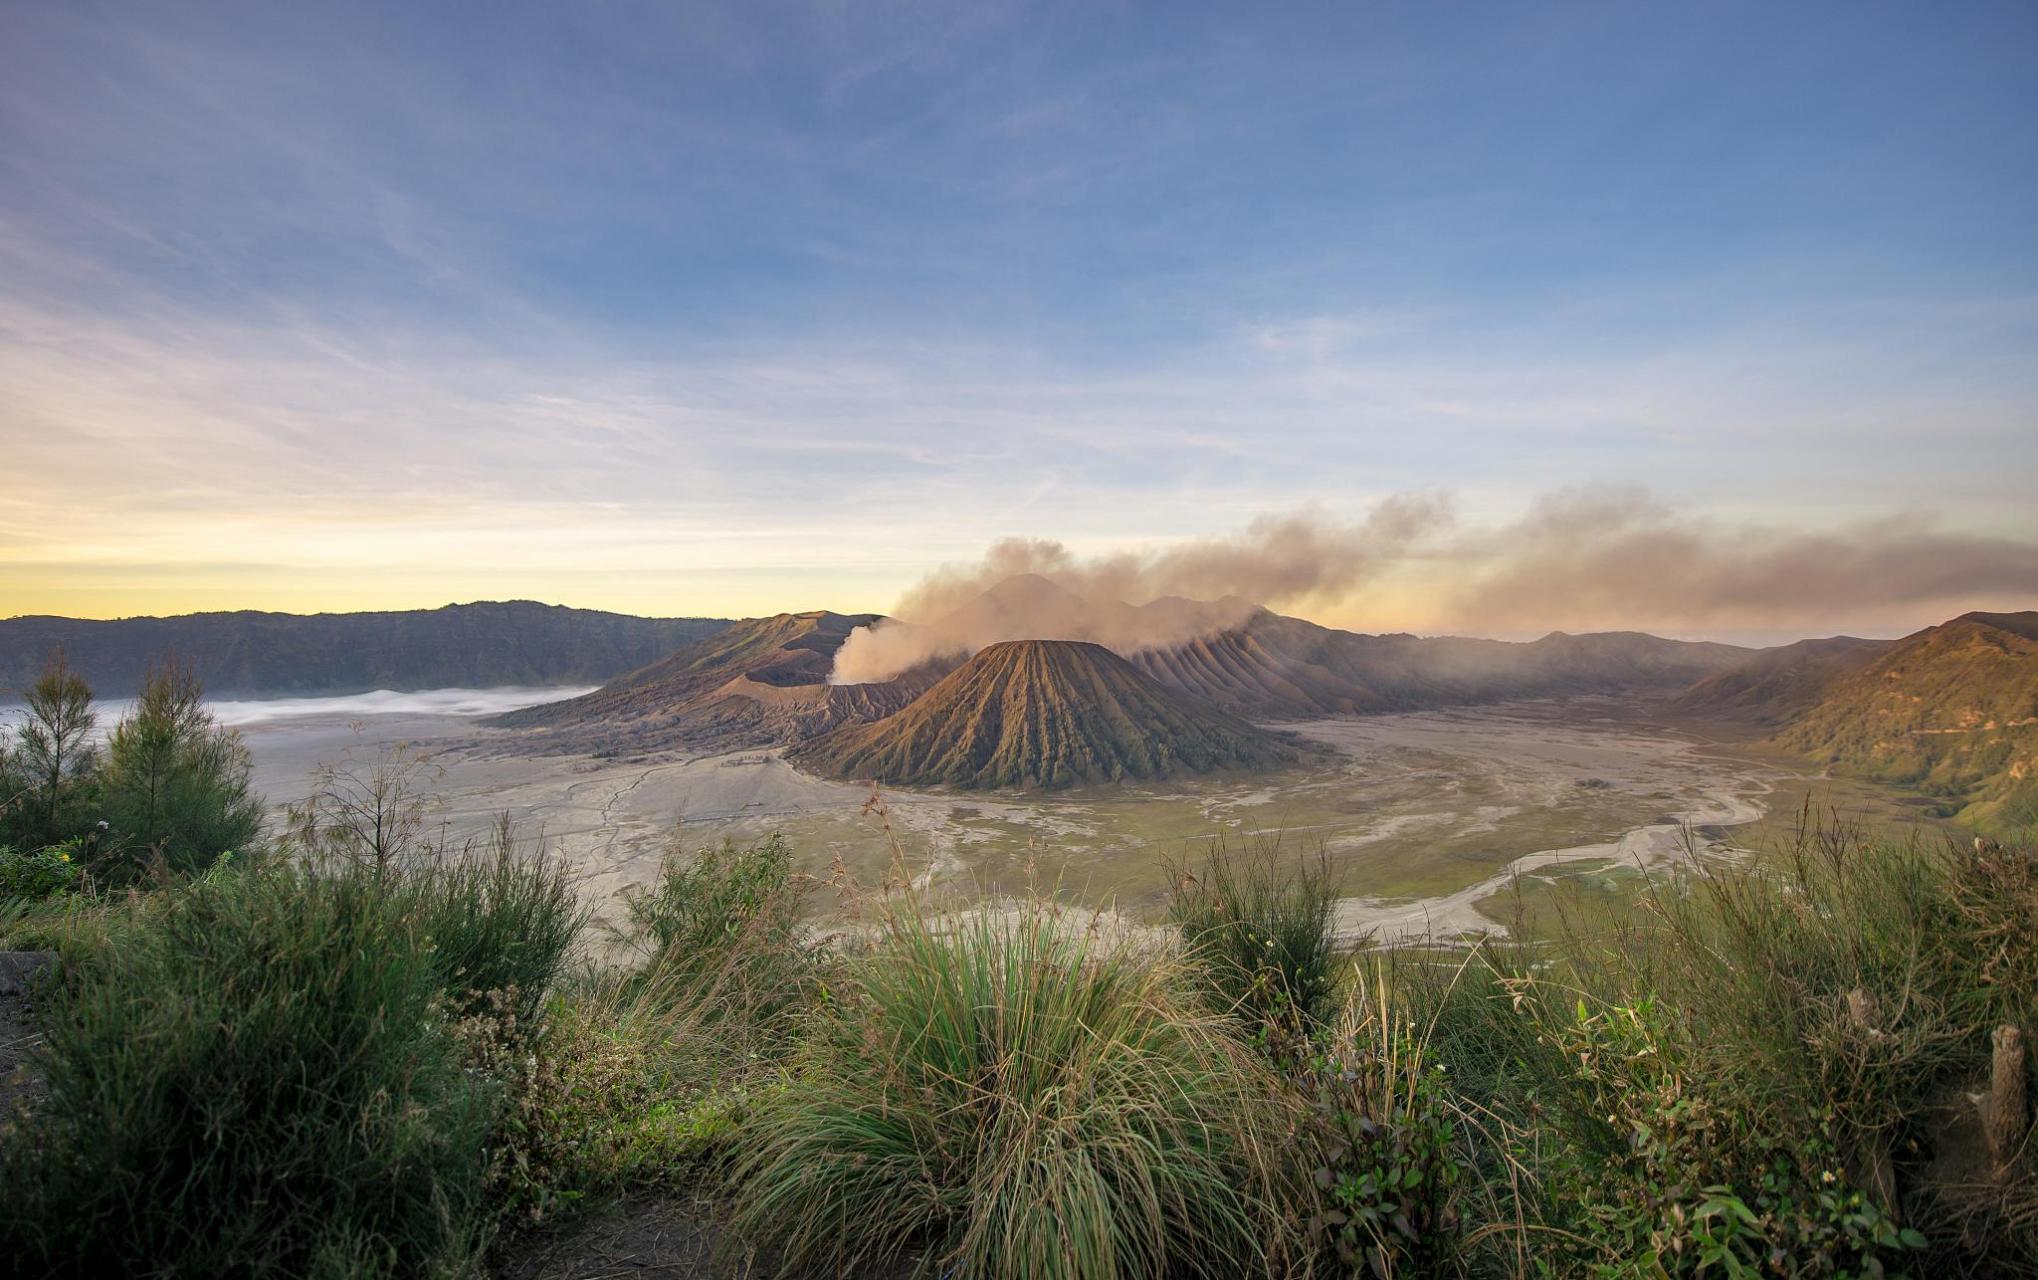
(683, 309)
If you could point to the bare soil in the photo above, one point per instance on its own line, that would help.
(18, 1039)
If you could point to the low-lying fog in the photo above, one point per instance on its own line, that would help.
(247, 712)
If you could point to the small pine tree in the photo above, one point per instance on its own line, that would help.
(51, 766)
(175, 785)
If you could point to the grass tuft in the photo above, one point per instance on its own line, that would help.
(1010, 1095)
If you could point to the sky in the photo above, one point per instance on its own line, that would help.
(726, 309)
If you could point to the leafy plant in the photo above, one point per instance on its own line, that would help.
(1682, 1182)
(39, 873)
(252, 1073)
(1384, 1142)
(720, 932)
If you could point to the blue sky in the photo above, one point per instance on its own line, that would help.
(722, 309)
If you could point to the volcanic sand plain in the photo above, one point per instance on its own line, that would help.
(1443, 821)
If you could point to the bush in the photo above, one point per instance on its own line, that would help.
(1674, 1176)
(1384, 1147)
(720, 934)
(499, 922)
(612, 1098)
(39, 873)
(1761, 1080)
(253, 1074)
(1012, 1096)
(1860, 982)
(1258, 930)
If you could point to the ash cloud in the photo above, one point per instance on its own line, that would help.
(1033, 588)
(1606, 560)
(1582, 560)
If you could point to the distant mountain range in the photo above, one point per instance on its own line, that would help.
(765, 682)
(1279, 668)
(1952, 710)
(249, 654)
(1043, 713)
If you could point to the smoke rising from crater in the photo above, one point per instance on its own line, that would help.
(1035, 588)
(1583, 560)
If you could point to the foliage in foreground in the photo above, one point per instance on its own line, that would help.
(1258, 928)
(254, 1073)
(1013, 1095)
(362, 1067)
(168, 793)
(1773, 1078)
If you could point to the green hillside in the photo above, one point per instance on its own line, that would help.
(1952, 710)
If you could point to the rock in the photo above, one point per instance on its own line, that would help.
(20, 969)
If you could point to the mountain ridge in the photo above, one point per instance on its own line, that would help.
(758, 682)
(258, 653)
(1951, 710)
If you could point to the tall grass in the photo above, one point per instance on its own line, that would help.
(253, 1073)
(1257, 926)
(499, 918)
(1773, 1070)
(1009, 1095)
(1861, 981)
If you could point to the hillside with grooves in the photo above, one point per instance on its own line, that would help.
(1276, 667)
(252, 654)
(1044, 713)
(1777, 685)
(761, 682)
(1952, 710)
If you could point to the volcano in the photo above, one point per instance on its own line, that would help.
(761, 682)
(1045, 714)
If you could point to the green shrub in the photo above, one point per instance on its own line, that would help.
(1861, 981)
(1676, 1177)
(720, 933)
(253, 1074)
(1757, 1079)
(1258, 930)
(1383, 1147)
(612, 1098)
(1011, 1096)
(39, 873)
(499, 921)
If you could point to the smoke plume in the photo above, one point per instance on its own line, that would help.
(1597, 560)
(1037, 589)
(1578, 561)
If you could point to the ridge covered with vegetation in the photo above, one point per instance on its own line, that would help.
(1951, 710)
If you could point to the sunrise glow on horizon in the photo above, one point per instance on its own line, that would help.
(715, 312)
